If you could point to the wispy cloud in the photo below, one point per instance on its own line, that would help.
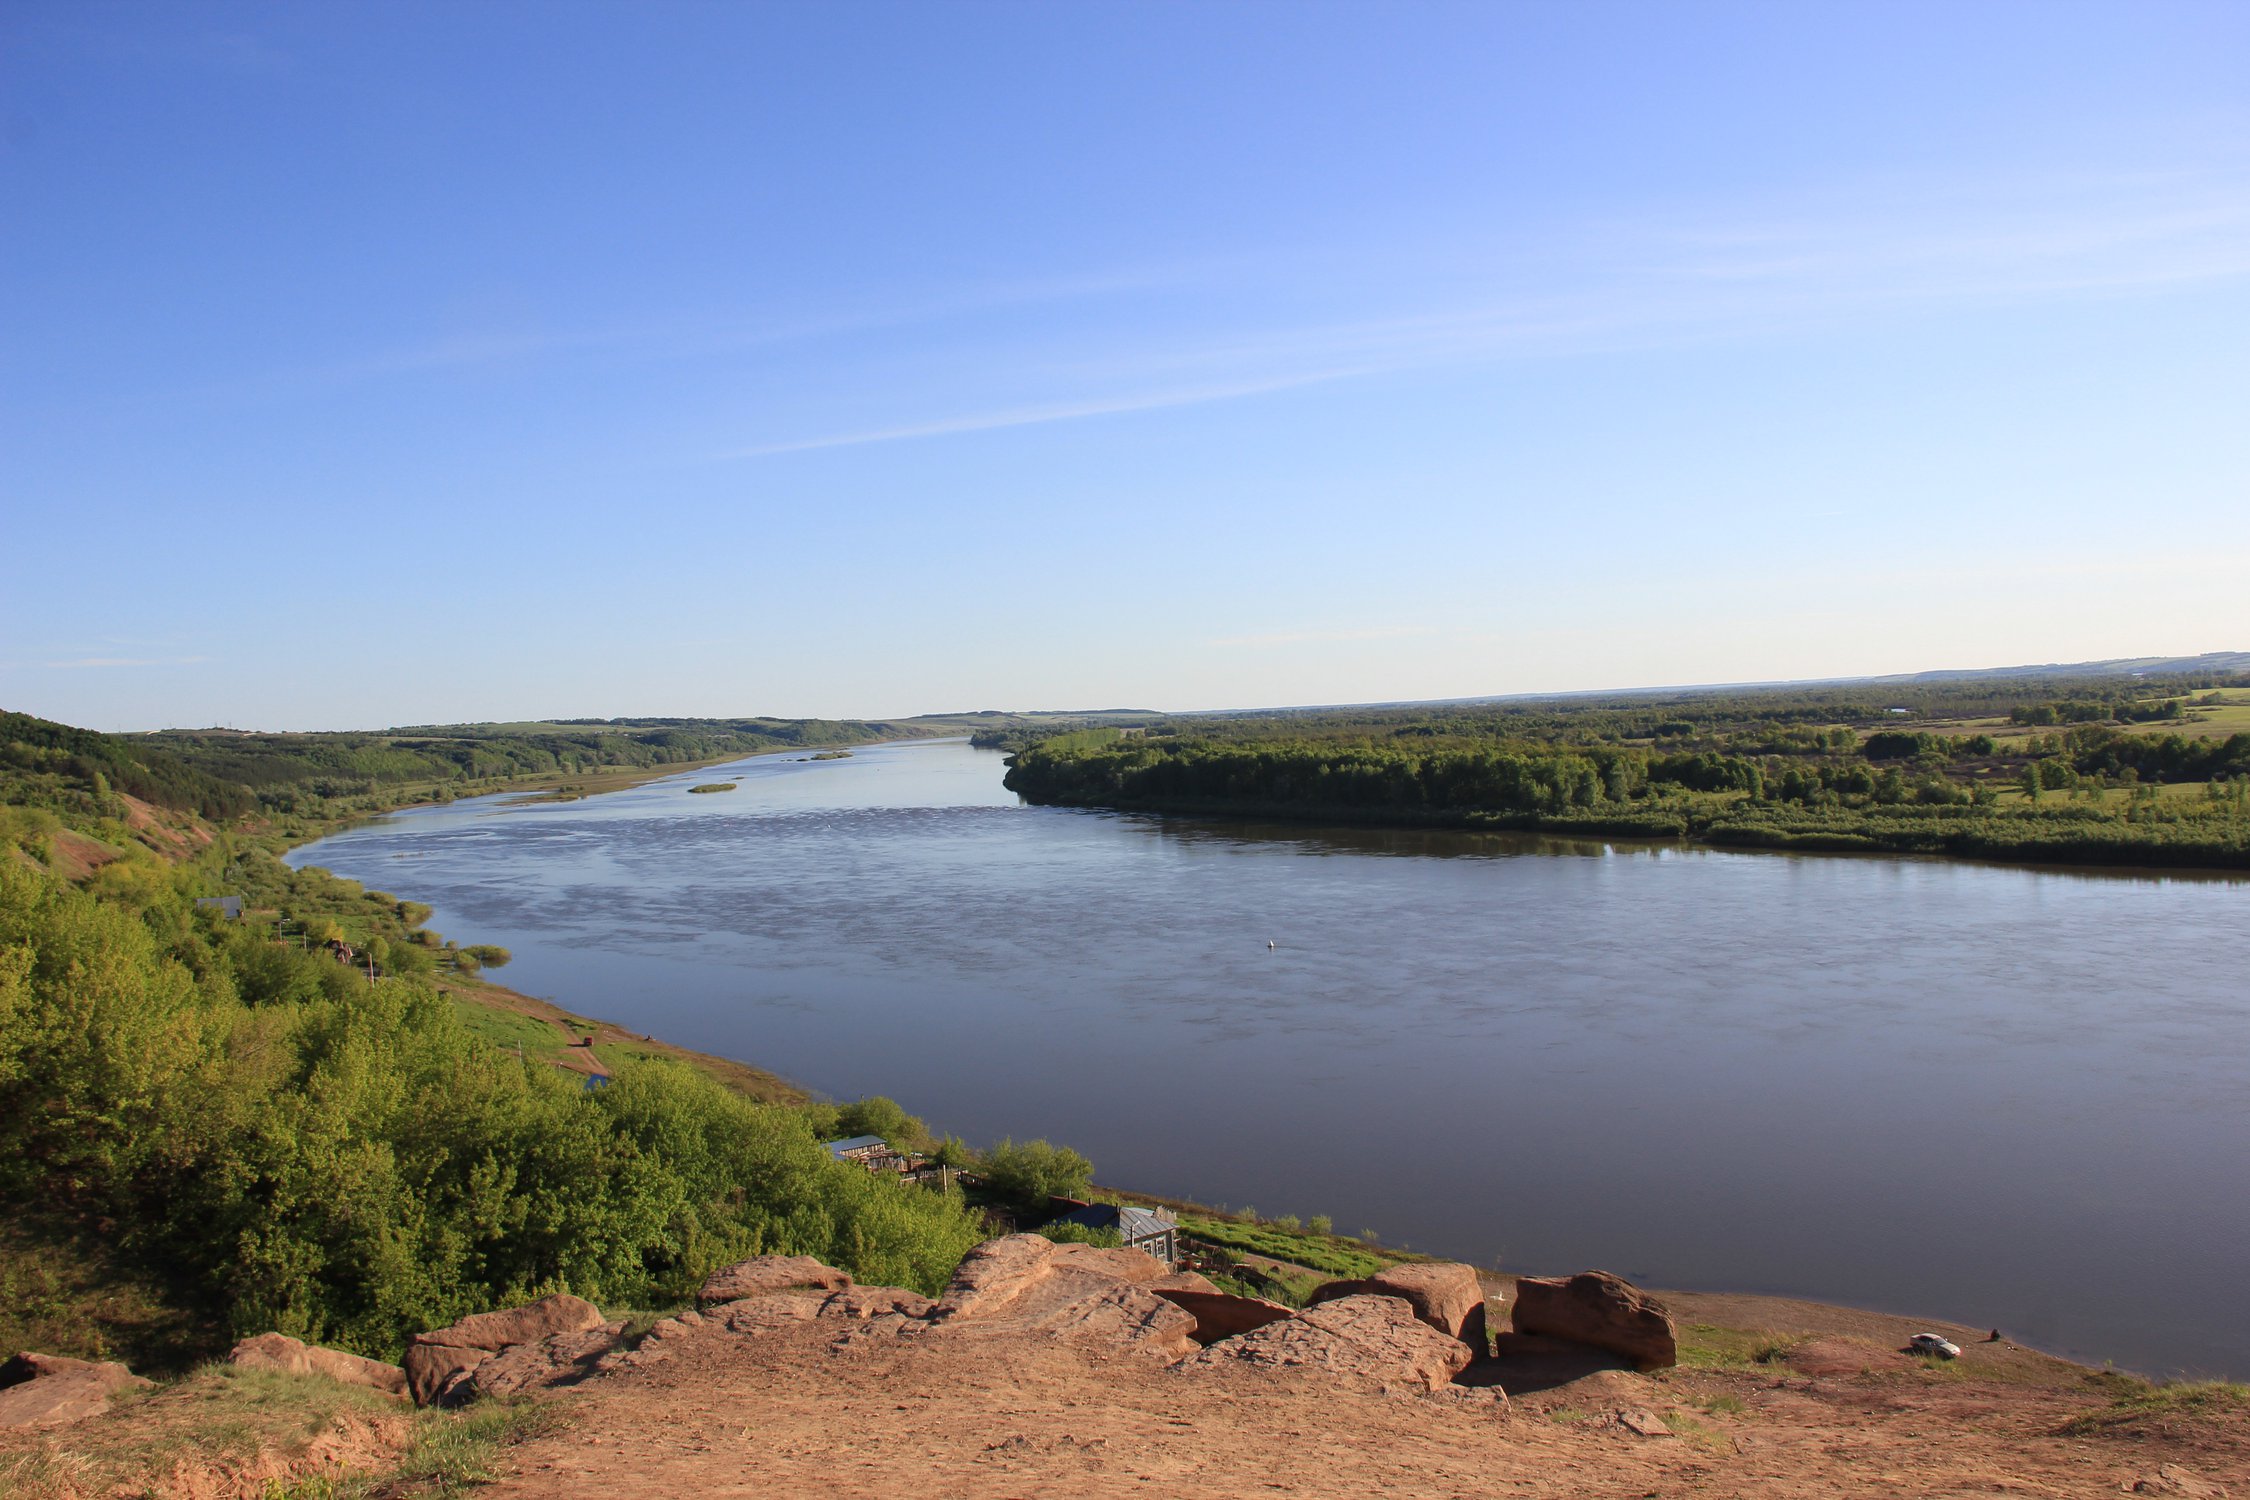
(1065, 411)
(81, 663)
(1321, 637)
(1723, 273)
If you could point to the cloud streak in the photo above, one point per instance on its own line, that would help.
(1720, 276)
(1286, 638)
(85, 663)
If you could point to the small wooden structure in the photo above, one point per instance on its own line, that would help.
(1151, 1229)
(873, 1153)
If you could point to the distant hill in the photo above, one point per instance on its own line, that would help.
(2218, 662)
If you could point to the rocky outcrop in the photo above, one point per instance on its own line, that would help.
(1365, 1340)
(1601, 1310)
(49, 1390)
(865, 1302)
(435, 1359)
(559, 1359)
(1444, 1294)
(1222, 1315)
(994, 1274)
(754, 1315)
(761, 1274)
(278, 1351)
(1024, 1282)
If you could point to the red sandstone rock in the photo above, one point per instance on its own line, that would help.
(1599, 1309)
(278, 1351)
(1024, 1281)
(863, 1302)
(558, 1359)
(49, 1390)
(1368, 1341)
(769, 1273)
(1443, 1294)
(1221, 1315)
(434, 1360)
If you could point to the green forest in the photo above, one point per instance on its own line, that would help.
(1960, 769)
(279, 1143)
(221, 1128)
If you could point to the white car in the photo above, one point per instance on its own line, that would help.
(1930, 1343)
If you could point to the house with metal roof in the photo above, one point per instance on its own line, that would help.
(858, 1148)
(1150, 1229)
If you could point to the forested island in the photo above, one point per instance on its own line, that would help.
(2148, 771)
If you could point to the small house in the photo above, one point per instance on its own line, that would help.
(1149, 1229)
(871, 1152)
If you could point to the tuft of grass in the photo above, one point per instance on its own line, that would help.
(1706, 1346)
(2137, 1407)
(1688, 1429)
(1721, 1405)
(461, 1449)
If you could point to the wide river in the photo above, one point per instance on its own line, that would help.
(2002, 1096)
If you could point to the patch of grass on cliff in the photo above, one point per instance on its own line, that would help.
(508, 1029)
(2139, 1409)
(1706, 1346)
(219, 1418)
(461, 1450)
(1300, 1247)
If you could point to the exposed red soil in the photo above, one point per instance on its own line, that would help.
(803, 1409)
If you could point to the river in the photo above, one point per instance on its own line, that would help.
(2006, 1097)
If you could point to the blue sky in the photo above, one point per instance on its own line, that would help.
(385, 364)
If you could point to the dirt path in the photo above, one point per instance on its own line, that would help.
(809, 1411)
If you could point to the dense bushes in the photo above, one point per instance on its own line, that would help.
(1818, 799)
(307, 1151)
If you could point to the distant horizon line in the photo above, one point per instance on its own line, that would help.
(2115, 666)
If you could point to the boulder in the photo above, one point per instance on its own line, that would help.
(1365, 1340)
(1444, 1294)
(435, 1359)
(559, 1313)
(559, 1359)
(769, 1273)
(278, 1351)
(431, 1367)
(1024, 1282)
(994, 1274)
(48, 1390)
(1601, 1310)
(1129, 1317)
(1222, 1315)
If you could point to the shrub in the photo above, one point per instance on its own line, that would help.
(1031, 1173)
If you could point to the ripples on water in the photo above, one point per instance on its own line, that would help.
(2010, 1097)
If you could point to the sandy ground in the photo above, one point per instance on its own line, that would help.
(809, 1410)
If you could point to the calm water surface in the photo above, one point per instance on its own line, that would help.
(2000, 1096)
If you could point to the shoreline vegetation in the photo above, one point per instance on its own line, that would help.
(2151, 774)
(322, 1118)
(237, 1097)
